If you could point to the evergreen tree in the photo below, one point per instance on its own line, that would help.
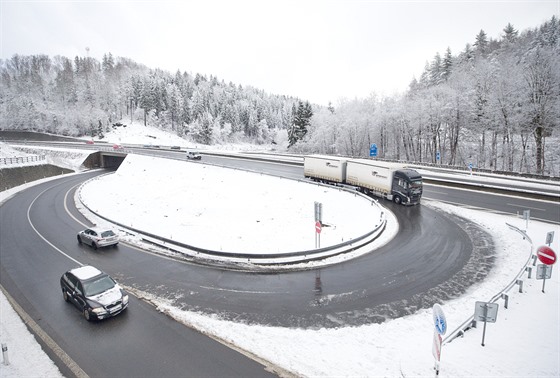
(425, 77)
(510, 34)
(292, 137)
(302, 121)
(446, 65)
(100, 130)
(436, 70)
(481, 43)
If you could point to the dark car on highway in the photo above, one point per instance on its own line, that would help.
(93, 292)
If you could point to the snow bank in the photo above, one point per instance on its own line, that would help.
(226, 210)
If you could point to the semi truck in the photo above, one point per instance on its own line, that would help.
(393, 181)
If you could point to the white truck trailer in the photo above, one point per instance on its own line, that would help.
(392, 181)
(325, 168)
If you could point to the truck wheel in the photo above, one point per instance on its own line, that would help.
(397, 200)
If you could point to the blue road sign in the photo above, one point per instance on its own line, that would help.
(439, 319)
(373, 150)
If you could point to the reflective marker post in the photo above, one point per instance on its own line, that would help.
(6, 360)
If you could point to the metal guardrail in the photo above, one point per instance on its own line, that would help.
(467, 324)
(21, 159)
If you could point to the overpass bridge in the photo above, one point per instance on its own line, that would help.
(105, 159)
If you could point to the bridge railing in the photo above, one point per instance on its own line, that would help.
(21, 159)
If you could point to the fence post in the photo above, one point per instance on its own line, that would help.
(505, 297)
(520, 283)
(6, 360)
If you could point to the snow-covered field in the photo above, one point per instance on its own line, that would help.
(228, 210)
(524, 342)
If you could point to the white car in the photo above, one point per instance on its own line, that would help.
(193, 155)
(98, 237)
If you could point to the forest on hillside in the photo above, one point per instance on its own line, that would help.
(495, 105)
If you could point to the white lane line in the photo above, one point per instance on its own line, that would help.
(525, 207)
(41, 236)
(240, 291)
(68, 210)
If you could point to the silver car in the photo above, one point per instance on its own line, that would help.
(98, 237)
(193, 155)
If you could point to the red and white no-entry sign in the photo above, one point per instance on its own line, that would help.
(318, 226)
(546, 255)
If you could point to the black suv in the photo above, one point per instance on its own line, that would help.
(94, 292)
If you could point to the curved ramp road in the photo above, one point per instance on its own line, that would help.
(434, 257)
(38, 244)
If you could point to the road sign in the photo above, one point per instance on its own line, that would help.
(549, 238)
(544, 272)
(436, 347)
(318, 226)
(373, 150)
(546, 255)
(486, 312)
(439, 319)
(318, 211)
(438, 156)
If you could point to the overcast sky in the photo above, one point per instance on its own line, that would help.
(319, 51)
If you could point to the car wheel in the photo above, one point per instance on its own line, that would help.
(87, 315)
(398, 200)
(79, 240)
(65, 295)
(94, 245)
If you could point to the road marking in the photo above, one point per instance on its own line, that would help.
(525, 207)
(66, 207)
(41, 236)
(487, 210)
(60, 353)
(241, 291)
(438, 192)
(493, 194)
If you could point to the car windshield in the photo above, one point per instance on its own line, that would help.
(98, 285)
(107, 234)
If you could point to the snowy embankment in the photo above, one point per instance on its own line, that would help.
(70, 158)
(229, 210)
